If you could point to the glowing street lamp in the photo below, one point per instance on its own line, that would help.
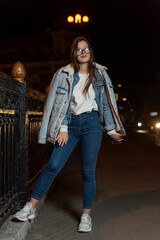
(85, 19)
(70, 19)
(78, 19)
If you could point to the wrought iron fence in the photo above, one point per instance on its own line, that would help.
(21, 157)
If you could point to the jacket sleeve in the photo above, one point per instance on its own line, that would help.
(65, 121)
(48, 108)
(63, 128)
(109, 123)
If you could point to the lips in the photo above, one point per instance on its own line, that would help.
(83, 56)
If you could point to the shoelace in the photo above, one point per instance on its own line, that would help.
(26, 208)
(86, 219)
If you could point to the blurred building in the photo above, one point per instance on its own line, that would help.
(41, 55)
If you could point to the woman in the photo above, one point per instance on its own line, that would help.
(80, 104)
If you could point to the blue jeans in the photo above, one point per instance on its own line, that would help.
(85, 129)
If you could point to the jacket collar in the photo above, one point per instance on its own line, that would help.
(99, 66)
(70, 68)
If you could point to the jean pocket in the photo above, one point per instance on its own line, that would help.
(94, 114)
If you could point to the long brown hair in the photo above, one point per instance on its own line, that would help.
(91, 65)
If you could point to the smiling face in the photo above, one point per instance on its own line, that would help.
(83, 52)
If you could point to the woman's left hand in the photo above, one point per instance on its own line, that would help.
(117, 137)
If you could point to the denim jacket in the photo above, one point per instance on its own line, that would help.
(57, 110)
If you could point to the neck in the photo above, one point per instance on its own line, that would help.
(83, 68)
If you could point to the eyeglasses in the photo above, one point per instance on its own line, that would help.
(80, 51)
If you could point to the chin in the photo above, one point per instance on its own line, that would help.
(83, 61)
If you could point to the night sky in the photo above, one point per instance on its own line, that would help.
(125, 34)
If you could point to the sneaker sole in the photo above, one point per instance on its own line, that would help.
(84, 231)
(32, 216)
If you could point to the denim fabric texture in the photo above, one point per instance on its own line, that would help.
(84, 129)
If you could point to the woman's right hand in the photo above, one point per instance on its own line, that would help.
(117, 137)
(62, 138)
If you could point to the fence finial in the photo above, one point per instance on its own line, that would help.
(19, 72)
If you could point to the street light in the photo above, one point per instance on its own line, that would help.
(78, 19)
(70, 19)
(85, 19)
(158, 125)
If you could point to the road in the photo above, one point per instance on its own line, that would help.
(127, 204)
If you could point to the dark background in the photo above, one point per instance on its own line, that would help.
(125, 36)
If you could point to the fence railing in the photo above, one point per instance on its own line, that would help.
(21, 157)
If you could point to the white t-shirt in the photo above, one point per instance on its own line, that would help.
(82, 103)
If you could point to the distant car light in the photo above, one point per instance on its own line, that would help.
(158, 125)
(139, 124)
(152, 114)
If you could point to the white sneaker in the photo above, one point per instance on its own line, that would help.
(85, 224)
(27, 212)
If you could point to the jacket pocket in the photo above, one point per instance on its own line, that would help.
(61, 90)
(61, 94)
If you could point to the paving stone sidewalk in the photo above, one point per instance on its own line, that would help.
(127, 204)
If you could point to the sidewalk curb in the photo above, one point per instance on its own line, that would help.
(17, 230)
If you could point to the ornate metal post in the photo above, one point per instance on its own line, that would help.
(21, 157)
(19, 73)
